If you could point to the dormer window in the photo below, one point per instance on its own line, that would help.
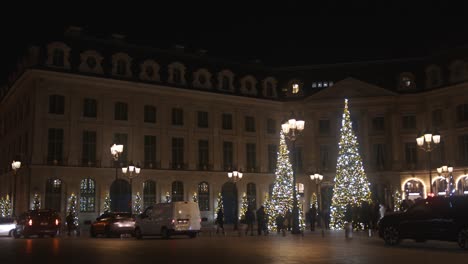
(91, 62)
(458, 71)
(58, 55)
(177, 73)
(433, 76)
(225, 79)
(121, 65)
(269, 87)
(201, 79)
(406, 81)
(295, 88)
(248, 84)
(149, 71)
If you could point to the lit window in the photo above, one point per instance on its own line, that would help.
(295, 88)
(314, 85)
(325, 84)
(319, 84)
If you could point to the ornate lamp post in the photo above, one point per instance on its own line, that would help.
(116, 150)
(15, 165)
(235, 176)
(318, 179)
(428, 142)
(446, 172)
(291, 129)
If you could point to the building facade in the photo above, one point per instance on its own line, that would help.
(187, 119)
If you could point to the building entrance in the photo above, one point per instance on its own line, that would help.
(121, 196)
(229, 194)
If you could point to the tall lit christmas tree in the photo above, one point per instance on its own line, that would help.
(281, 199)
(351, 183)
(72, 209)
(2, 207)
(7, 206)
(137, 204)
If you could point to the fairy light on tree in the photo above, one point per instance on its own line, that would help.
(245, 205)
(36, 202)
(219, 204)
(137, 204)
(351, 183)
(72, 209)
(107, 203)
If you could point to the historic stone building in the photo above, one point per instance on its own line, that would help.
(187, 119)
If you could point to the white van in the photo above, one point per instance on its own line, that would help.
(166, 219)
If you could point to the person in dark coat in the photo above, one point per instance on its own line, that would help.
(249, 220)
(220, 221)
(261, 220)
(311, 217)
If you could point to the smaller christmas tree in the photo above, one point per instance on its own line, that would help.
(7, 206)
(219, 204)
(137, 204)
(397, 200)
(245, 205)
(314, 200)
(36, 202)
(2, 207)
(195, 197)
(107, 203)
(72, 209)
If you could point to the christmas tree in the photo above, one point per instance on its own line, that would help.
(219, 204)
(314, 200)
(397, 199)
(281, 200)
(72, 208)
(2, 207)
(107, 203)
(195, 197)
(6, 206)
(245, 205)
(36, 202)
(137, 204)
(351, 184)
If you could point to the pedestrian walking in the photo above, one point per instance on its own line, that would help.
(261, 220)
(249, 220)
(220, 221)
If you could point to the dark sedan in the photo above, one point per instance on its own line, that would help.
(436, 218)
(113, 223)
(38, 222)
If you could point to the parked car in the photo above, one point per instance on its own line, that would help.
(38, 222)
(434, 218)
(7, 226)
(113, 223)
(166, 219)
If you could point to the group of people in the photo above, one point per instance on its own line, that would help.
(249, 219)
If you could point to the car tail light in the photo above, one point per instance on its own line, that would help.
(56, 222)
(30, 222)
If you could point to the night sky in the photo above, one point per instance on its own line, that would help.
(279, 35)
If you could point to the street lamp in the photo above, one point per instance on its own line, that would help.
(15, 165)
(428, 142)
(235, 176)
(446, 172)
(116, 150)
(131, 172)
(291, 130)
(318, 179)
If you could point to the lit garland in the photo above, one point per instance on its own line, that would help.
(351, 183)
(281, 199)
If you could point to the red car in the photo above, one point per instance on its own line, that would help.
(38, 222)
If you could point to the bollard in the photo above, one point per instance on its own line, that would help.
(348, 230)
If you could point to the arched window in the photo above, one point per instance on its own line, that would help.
(58, 57)
(252, 195)
(53, 195)
(177, 76)
(226, 82)
(414, 189)
(204, 196)
(439, 185)
(462, 186)
(177, 191)
(149, 193)
(87, 195)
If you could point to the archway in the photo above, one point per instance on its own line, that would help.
(121, 196)
(462, 185)
(414, 189)
(229, 194)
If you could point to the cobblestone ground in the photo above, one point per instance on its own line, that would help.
(333, 247)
